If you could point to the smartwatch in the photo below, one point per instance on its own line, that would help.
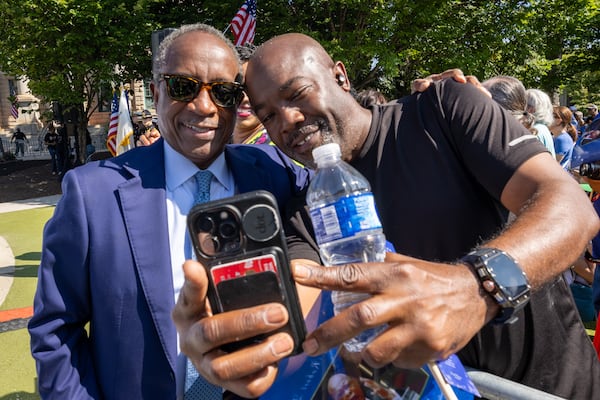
(503, 279)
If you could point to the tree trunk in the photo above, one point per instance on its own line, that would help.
(82, 130)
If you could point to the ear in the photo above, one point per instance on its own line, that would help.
(341, 77)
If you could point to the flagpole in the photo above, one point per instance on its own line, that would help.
(226, 29)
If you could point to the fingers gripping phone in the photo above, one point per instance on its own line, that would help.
(240, 241)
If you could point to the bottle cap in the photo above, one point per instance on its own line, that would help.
(326, 150)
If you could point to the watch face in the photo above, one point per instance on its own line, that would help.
(508, 275)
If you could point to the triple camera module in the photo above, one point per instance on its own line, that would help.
(225, 230)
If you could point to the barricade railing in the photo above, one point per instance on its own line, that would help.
(493, 387)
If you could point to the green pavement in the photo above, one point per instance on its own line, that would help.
(23, 232)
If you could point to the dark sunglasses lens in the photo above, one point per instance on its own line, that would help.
(182, 89)
(226, 94)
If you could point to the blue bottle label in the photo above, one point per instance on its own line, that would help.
(345, 218)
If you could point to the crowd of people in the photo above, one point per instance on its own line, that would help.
(467, 180)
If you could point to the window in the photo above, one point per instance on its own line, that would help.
(148, 101)
(13, 87)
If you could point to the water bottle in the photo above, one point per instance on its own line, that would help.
(347, 228)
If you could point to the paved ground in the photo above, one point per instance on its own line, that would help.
(24, 184)
(21, 242)
(27, 179)
(16, 318)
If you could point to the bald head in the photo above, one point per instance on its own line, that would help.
(286, 55)
(303, 97)
(295, 46)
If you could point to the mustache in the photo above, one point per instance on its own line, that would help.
(319, 125)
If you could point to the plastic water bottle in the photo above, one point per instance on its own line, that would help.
(347, 228)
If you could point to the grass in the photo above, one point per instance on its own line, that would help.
(23, 232)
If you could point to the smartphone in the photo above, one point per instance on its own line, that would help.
(240, 241)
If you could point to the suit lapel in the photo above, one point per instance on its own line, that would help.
(247, 175)
(145, 215)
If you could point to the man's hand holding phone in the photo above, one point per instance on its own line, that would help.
(249, 371)
(238, 313)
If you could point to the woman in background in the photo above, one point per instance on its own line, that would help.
(540, 105)
(564, 133)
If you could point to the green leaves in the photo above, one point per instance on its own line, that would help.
(384, 44)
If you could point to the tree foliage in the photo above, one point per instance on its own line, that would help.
(69, 48)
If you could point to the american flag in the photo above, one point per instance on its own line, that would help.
(14, 104)
(244, 23)
(111, 139)
(14, 110)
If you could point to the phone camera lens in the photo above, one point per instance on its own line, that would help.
(206, 224)
(228, 229)
(215, 244)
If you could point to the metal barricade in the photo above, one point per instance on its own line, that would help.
(493, 387)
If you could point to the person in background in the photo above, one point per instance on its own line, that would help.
(248, 128)
(511, 94)
(592, 113)
(50, 140)
(450, 139)
(19, 138)
(111, 264)
(540, 106)
(578, 115)
(89, 145)
(147, 130)
(563, 132)
(63, 150)
(574, 120)
(369, 97)
(584, 165)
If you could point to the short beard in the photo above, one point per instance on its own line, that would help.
(327, 135)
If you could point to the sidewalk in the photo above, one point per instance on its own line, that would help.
(30, 203)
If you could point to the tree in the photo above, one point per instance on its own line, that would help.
(69, 49)
(386, 44)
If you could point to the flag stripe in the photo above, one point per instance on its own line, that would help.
(14, 110)
(111, 140)
(247, 34)
(14, 103)
(243, 24)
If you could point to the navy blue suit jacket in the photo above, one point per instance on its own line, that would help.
(106, 261)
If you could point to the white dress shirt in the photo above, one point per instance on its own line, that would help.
(180, 190)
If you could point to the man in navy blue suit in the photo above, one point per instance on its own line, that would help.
(113, 251)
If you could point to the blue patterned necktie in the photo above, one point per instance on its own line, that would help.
(203, 178)
(196, 387)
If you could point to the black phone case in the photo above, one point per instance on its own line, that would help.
(236, 238)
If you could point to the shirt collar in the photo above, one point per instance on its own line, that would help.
(179, 169)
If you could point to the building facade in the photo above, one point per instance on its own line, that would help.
(34, 114)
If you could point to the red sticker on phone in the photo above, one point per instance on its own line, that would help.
(240, 268)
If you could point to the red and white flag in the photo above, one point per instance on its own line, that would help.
(14, 104)
(14, 110)
(111, 139)
(243, 23)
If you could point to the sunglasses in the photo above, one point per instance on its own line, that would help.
(186, 88)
